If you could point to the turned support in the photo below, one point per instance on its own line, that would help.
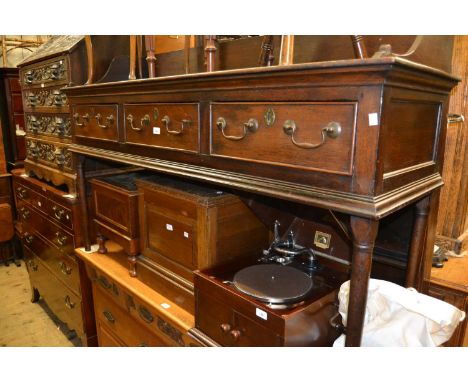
(287, 50)
(266, 53)
(150, 44)
(101, 240)
(210, 52)
(417, 245)
(133, 43)
(132, 265)
(89, 54)
(83, 201)
(359, 47)
(364, 234)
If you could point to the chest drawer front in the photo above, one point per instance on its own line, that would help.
(50, 73)
(58, 125)
(97, 122)
(121, 324)
(25, 194)
(315, 136)
(60, 214)
(65, 304)
(169, 126)
(52, 154)
(45, 99)
(230, 328)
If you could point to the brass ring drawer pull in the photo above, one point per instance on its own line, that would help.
(108, 315)
(32, 265)
(28, 238)
(332, 130)
(109, 119)
(251, 125)
(61, 239)
(146, 315)
(22, 192)
(68, 303)
(66, 270)
(144, 122)
(58, 213)
(167, 122)
(104, 282)
(25, 213)
(85, 119)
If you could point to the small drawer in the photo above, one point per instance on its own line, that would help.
(57, 125)
(315, 136)
(96, 122)
(50, 99)
(121, 324)
(168, 126)
(50, 73)
(52, 154)
(61, 214)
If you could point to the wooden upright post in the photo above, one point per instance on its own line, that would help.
(150, 42)
(210, 52)
(90, 57)
(359, 47)
(287, 50)
(131, 74)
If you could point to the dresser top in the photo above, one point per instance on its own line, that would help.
(453, 274)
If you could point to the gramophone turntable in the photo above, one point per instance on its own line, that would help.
(286, 297)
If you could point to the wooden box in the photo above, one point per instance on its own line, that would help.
(186, 226)
(115, 209)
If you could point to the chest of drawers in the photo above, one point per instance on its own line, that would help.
(130, 313)
(50, 232)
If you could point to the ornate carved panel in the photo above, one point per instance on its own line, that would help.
(46, 124)
(53, 71)
(45, 98)
(51, 154)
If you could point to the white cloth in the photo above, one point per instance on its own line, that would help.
(396, 316)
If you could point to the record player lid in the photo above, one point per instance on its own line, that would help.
(273, 283)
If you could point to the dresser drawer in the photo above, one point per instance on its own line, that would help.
(169, 126)
(57, 125)
(317, 136)
(25, 194)
(121, 324)
(64, 267)
(45, 99)
(60, 213)
(106, 337)
(48, 73)
(65, 304)
(97, 122)
(230, 328)
(52, 154)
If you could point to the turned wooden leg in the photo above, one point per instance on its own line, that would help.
(101, 240)
(133, 43)
(132, 265)
(83, 201)
(417, 245)
(359, 47)
(364, 233)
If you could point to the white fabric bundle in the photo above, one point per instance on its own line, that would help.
(396, 316)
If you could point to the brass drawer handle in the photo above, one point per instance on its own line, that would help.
(68, 303)
(251, 125)
(59, 98)
(21, 192)
(332, 130)
(146, 315)
(109, 119)
(28, 77)
(60, 239)
(64, 268)
(454, 118)
(144, 122)
(235, 334)
(59, 125)
(56, 71)
(104, 282)
(34, 124)
(225, 328)
(167, 122)
(58, 213)
(32, 265)
(32, 99)
(28, 237)
(25, 214)
(84, 117)
(108, 315)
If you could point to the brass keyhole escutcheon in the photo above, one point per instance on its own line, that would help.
(269, 117)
